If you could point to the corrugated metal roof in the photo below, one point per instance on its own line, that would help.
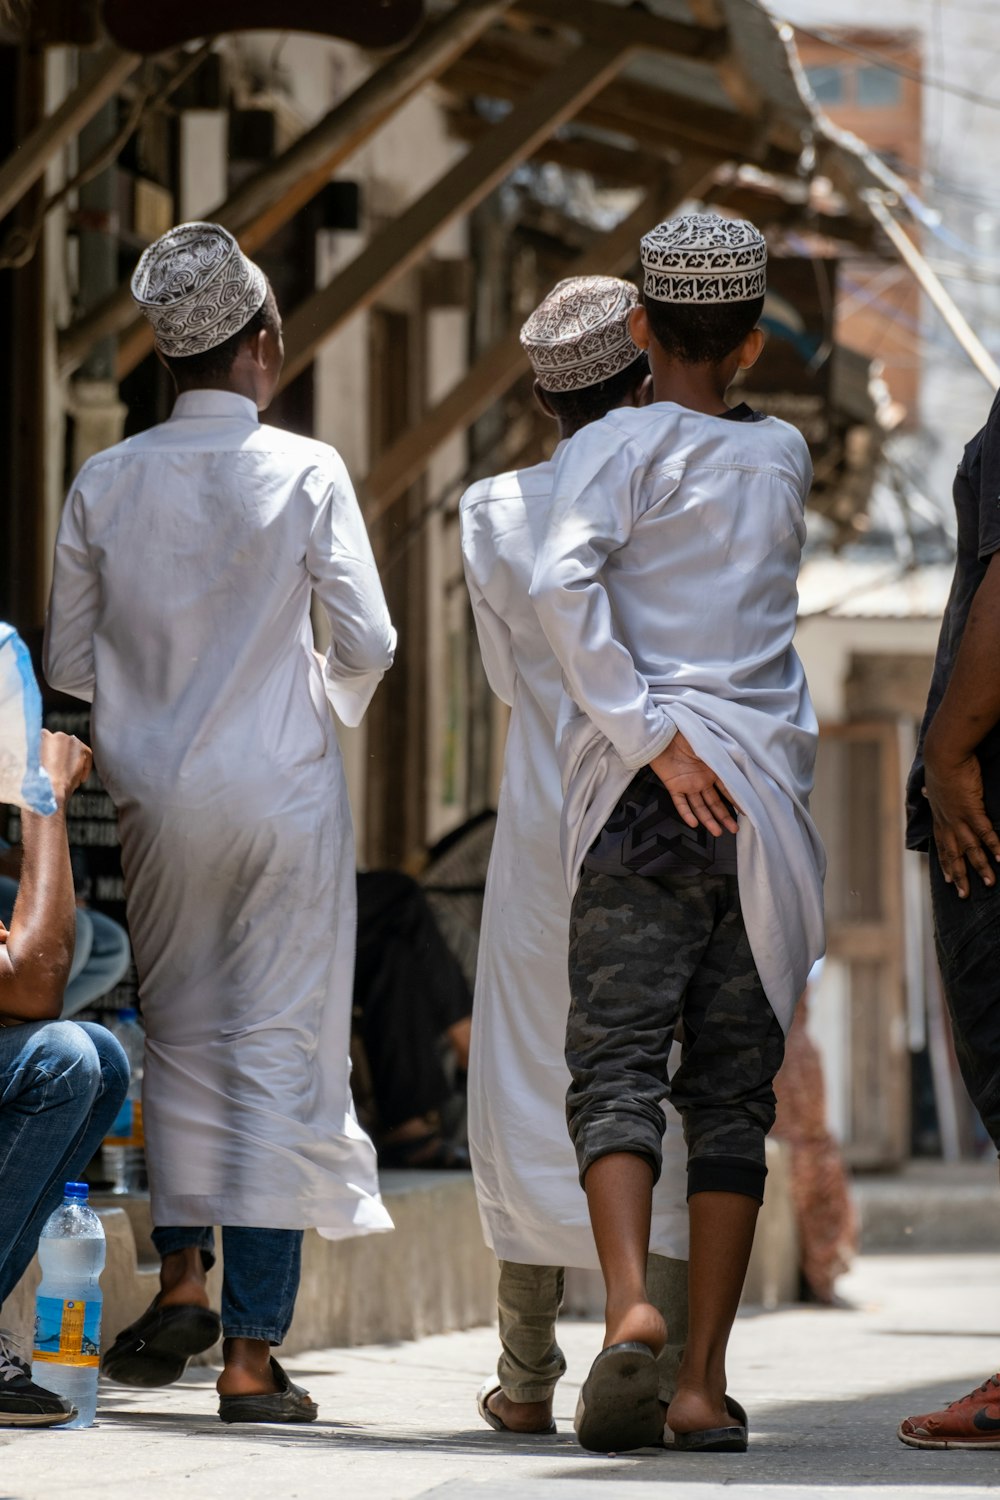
(872, 589)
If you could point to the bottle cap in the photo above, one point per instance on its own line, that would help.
(76, 1192)
(128, 1013)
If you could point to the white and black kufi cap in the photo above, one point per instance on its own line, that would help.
(704, 258)
(197, 288)
(579, 335)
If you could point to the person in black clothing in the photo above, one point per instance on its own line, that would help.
(953, 808)
(412, 1006)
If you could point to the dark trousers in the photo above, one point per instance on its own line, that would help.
(645, 952)
(260, 1275)
(967, 938)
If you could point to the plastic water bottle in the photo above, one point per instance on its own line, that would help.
(72, 1252)
(124, 1157)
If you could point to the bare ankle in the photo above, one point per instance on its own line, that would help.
(182, 1278)
(634, 1321)
(247, 1368)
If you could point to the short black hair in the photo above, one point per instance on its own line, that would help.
(701, 333)
(216, 363)
(577, 408)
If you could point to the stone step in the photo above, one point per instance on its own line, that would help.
(930, 1206)
(432, 1275)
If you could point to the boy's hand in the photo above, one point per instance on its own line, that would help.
(68, 762)
(698, 795)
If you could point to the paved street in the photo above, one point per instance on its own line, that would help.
(824, 1389)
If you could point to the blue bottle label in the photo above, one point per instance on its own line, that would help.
(67, 1332)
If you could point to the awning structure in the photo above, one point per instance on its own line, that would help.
(674, 99)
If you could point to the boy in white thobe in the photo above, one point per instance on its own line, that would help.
(185, 565)
(533, 1211)
(666, 586)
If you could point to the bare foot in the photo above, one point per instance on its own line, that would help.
(247, 1370)
(637, 1322)
(694, 1409)
(182, 1280)
(521, 1416)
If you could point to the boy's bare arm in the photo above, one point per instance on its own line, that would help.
(969, 709)
(37, 951)
(697, 793)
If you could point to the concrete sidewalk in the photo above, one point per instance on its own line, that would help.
(825, 1391)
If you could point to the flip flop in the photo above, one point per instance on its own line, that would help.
(619, 1406)
(289, 1403)
(733, 1439)
(497, 1423)
(155, 1349)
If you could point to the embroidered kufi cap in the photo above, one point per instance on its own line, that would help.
(704, 258)
(579, 335)
(197, 288)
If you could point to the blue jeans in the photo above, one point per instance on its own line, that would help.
(260, 1275)
(101, 955)
(61, 1085)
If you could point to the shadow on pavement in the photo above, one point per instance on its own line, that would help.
(799, 1443)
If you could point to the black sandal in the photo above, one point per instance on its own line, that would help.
(155, 1349)
(289, 1403)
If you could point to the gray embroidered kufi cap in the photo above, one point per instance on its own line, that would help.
(197, 288)
(579, 335)
(704, 258)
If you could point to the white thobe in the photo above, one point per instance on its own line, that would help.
(531, 1204)
(666, 585)
(185, 565)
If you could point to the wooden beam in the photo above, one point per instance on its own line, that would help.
(273, 196)
(555, 99)
(933, 288)
(615, 164)
(497, 370)
(653, 116)
(596, 21)
(107, 72)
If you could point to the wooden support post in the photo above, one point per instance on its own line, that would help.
(497, 370)
(268, 200)
(936, 293)
(555, 99)
(27, 165)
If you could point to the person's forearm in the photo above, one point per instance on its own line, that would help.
(39, 947)
(971, 705)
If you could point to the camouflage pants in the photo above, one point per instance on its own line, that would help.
(644, 953)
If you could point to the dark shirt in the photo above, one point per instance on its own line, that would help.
(644, 834)
(977, 505)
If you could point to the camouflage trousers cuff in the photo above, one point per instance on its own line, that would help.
(726, 1174)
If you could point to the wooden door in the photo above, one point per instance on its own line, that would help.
(858, 807)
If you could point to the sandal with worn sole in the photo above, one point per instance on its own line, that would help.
(155, 1349)
(498, 1424)
(289, 1403)
(734, 1439)
(619, 1407)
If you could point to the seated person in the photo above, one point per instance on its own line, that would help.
(101, 952)
(412, 1012)
(61, 1082)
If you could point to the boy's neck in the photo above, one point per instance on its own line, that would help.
(698, 387)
